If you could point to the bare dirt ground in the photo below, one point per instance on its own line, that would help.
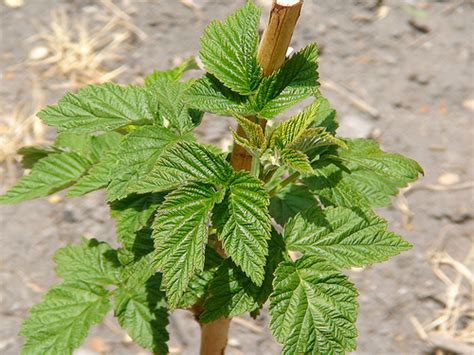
(402, 73)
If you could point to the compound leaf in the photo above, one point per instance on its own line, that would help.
(243, 224)
(180, 235)
(345, 236)
(141, 311)
(313, 308)
(53, 173)
(61, 321)
(92, 262)
(101, 108)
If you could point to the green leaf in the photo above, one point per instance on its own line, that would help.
(174, 74)
(199, 284)
(137, 272)
(32, 154)
(314, 138)
(141, 310)
(293, 82)
(326, 116)
(345, 236)
(51, 174)
(289, 201)
(296, 160)
(229, 50)
(97, 177)
(180, 234)
(232, 293)
(184, 163)
(101, 108)
(172, 108)
(253, 131)
(103, 151)
(331, 187)
(243, 224)
(209, 95)
(93, 147)
(137, 156)
(61, 321)
(362, 175)
(288, 131)
(132, 214)
(92, 262)
(313, 308)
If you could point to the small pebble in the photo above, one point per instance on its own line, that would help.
(234, 342)
(448, 179)
(14, 3)
(38, 53)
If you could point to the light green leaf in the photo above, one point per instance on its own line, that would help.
(361, 175)
(314, 138)
(174, 74)
(61, 321)
(137, 156)
(51, 174)
(288, 131)
(101, 108)
(132, 214)
(243, 224)
(313, 308)
(253, 131)
(184, 163)
(347, 237)
(180, 234)
(209, 95)
(296, 160)
(293, 82)
(289, 201)
(229, 50)
(97, 177)
(141, 310)
(92, 262)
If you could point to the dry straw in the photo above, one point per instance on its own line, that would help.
(79, 50)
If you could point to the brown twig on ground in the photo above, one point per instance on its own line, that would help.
(403, 206)
(354, 99)
(453, 328)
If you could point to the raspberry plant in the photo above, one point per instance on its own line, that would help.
(196, 232)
